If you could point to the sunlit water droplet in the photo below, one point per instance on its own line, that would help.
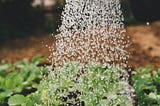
(147, 23)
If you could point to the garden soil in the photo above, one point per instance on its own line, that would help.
(144, 50)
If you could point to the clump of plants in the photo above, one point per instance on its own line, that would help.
(70, 85)
(29, 84)
(146, 83)
(94, 86)
(20, 78)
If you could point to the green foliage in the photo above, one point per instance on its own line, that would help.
(104, 87)
(21, 77)
(17, 100)
(71, 84)
(29, 100)
(94, 86)
(147, 87)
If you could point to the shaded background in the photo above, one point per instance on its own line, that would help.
(22, 18)
(26, 26)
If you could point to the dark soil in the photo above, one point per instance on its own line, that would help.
(145, 49)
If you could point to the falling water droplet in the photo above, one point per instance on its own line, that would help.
(147, 23)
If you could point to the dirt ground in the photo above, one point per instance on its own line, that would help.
(145, 48)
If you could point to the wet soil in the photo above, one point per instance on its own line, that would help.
(144, 50)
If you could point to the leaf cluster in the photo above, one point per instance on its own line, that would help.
(95, 86)
(147, 86)
(23, 84)
(20, 78)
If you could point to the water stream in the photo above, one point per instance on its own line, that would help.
(92, 31)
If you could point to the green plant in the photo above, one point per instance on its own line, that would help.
(104, 86)
(20, 78)
(94, 86)
(147, 86)
(71, 84)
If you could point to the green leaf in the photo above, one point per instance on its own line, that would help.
(17, 100)
(37, 59)
(102, 102)
(146, 70)
(29, 102)
(3, 69)
(4, 95)
(153, 95)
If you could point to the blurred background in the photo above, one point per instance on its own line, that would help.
(26, 26)
(23, 18)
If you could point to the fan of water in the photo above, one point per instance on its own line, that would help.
(92, 31)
